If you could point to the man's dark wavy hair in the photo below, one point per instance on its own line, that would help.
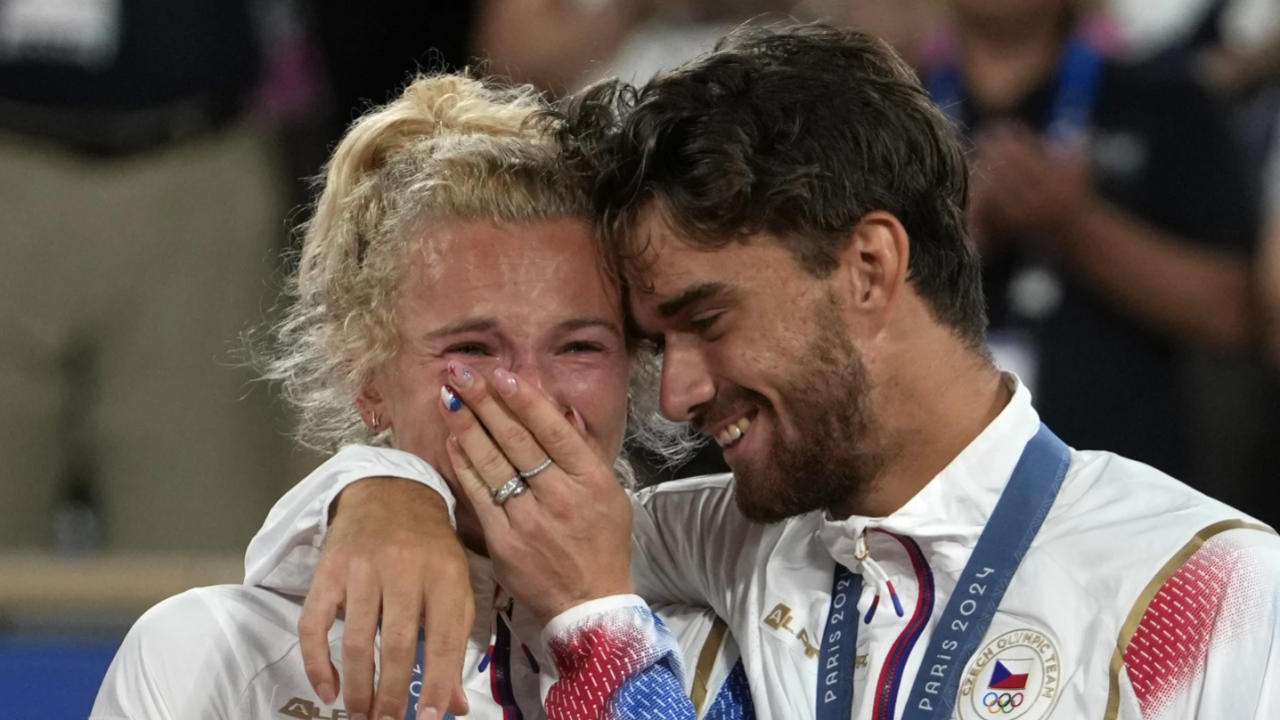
(798, 132)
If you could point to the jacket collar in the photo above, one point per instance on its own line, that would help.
(955, 505)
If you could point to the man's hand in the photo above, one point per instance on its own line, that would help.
(390, 553)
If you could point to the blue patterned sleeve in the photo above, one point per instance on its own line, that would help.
(733, 702)
(617, 660)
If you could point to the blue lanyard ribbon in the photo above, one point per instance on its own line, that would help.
(415, 681)
(1069, 120)
(839, 643)
(1004, 541)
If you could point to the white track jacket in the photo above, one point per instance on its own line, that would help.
(1138, 599)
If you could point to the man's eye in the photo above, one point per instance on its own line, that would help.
(468, 349)
(703, 323)
(582, 347)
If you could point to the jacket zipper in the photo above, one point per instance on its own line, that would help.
(895, 663)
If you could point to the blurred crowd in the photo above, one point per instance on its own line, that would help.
(154, 157)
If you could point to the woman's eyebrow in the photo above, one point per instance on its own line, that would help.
(466, 325)
(592, 322)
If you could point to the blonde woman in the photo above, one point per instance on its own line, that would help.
(446, 233)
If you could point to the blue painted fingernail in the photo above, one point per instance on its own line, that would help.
(451, 401)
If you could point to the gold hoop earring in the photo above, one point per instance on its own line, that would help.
(373, 421)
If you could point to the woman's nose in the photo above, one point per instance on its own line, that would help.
(530, 369)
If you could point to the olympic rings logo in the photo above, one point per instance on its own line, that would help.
(1001, 703)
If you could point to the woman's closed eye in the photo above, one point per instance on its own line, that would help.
(469, 348)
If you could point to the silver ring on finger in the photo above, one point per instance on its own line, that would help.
(526, 474)
(513, 487)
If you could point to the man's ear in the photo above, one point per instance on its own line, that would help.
(373, 406)
(874, 266)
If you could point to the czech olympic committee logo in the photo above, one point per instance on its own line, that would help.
(1014, 677)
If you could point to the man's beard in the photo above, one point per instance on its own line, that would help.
(833, 460)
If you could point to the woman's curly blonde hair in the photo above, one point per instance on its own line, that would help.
(451, 147)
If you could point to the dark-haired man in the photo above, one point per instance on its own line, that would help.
(901, 536)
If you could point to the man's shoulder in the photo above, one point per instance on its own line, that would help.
(704, 509)
(1148, 559)
(1205, 624)
(1108, 501)
(1103, 488)
(712, 485)
(702, 501)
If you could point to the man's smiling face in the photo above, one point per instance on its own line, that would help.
(756, 354)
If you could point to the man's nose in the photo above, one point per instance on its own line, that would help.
(686, 381)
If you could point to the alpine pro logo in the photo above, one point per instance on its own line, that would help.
(1013, 677)
(303, 709)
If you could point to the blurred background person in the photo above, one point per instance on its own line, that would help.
(1114, 217)
(352, 56)
(1232, 44)
(1269, 273)
(141, 213)
(914, 27)
(1270, 289)
(1232, 48)
(1152, 29)
(143, 156)
(1269, 286)
(1230, 406)
(150, 153)
(561, 45)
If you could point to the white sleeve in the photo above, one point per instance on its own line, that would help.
(1208, 645)
(1242, 663)
(284, 554)
(708, 648)
(176, 663)
(686, 540)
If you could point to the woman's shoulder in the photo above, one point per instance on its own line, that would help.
(198, 649)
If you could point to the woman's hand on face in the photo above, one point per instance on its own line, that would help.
(390, 553)
(567, 538)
